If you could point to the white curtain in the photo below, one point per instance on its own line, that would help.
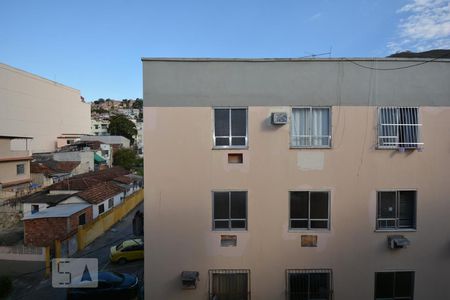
(300, 127)
(320, 127)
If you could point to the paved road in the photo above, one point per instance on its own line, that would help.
(33, 286)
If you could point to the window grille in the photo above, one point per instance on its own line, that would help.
(396, 210)
(398, 127)
(229, 284)
(309, 284)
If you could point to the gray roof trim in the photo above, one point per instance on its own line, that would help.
(299, 59)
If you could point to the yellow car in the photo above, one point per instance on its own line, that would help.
(127, 251)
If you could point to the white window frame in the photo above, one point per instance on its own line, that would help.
(397, 145)
(229, 213)
(310, 146)
(309, 212)
(309, 271)
(397, 228)
(230, 146)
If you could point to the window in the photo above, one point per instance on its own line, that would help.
(229, 210)
(96, 126)
(82, 219)
(20, 169)
(394, 285)
(104, 126)
(398, 127)
(309, 210)
(110, 203)
(230, 127)
(396, 210)
(101, 209)
(229, 284)
(309, 284)
(34, 208)
(310, 127)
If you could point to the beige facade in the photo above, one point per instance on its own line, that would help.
(183, 169)
(14, 168)
(40, 108)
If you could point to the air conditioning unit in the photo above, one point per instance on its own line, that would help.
(189, 279)
(279, 118)
(397, 242)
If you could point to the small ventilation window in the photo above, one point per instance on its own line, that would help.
(228, 241)
(235, 158)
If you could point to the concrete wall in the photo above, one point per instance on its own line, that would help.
(181, 170)
(40, 108)
(27, 208)
(231, 82)
(86, 159)
(8, 171)
(116, 201)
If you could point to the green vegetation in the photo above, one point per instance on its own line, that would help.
(120, 125)
(5, 286)
(127, 159)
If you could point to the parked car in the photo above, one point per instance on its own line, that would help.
(127, 251)
(111, 285)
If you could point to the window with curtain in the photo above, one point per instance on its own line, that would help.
(398, 127)
(310, 127)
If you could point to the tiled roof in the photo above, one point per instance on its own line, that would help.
(83, 181)
(100, 192)
(124, 179)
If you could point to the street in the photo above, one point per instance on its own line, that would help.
(33, 285)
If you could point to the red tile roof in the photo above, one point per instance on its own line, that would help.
(100, 192)
(124, 179)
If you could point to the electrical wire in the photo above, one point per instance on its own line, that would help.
(397, 68)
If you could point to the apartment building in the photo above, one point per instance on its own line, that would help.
(41, 108)
(297, 178)
(99, 126)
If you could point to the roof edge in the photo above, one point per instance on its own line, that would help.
(299, 59)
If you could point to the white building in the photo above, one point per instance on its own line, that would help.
(99, 127)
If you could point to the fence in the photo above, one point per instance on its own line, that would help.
(22, 253)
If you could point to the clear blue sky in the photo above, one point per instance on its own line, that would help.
(96, 46)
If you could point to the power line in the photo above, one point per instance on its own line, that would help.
(397, 68)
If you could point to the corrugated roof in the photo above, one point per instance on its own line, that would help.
(100, 192)
(58, 211)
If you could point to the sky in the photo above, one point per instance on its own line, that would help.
(96, 46)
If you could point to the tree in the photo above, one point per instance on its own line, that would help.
(126, 158)
(120, 125)
(138, 103)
